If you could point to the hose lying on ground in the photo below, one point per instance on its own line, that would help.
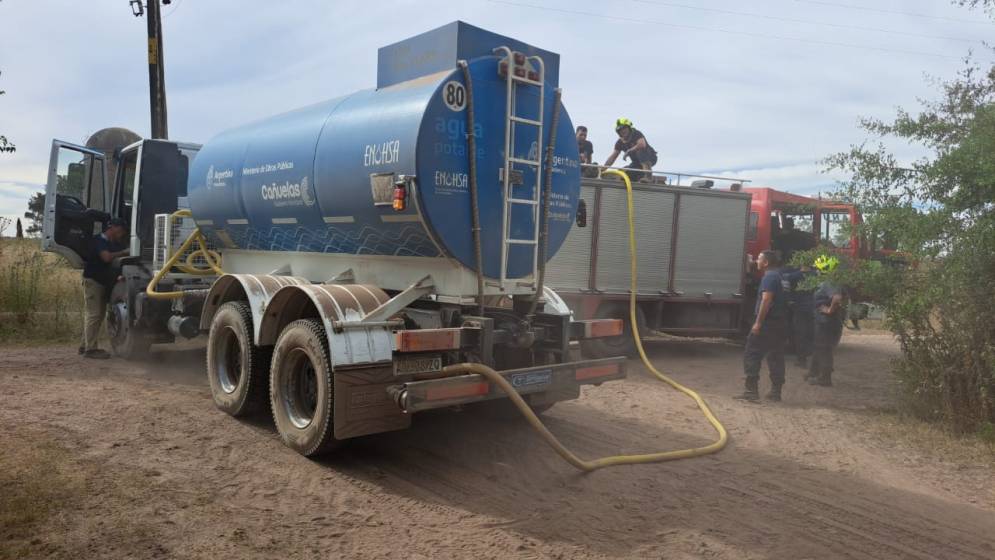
(496, 379)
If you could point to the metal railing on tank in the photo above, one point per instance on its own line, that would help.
(655, 177)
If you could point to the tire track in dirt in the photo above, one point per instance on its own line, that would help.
(462, 485)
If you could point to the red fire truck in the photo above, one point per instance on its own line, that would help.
(827, 221)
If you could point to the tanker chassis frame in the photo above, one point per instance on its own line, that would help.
(334, 358)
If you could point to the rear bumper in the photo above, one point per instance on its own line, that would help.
(554, 382)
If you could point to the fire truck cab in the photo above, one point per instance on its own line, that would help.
(827, 221)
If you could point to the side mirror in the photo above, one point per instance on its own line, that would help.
(581, 213)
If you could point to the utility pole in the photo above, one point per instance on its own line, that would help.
(157, 77)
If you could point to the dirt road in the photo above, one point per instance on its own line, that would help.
(133, 461)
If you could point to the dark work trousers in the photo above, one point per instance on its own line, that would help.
(826, 336)
(769, 343)
(802, 326)
(636, 161)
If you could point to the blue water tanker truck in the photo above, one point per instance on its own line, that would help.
(339, 257)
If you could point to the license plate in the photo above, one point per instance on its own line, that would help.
(424, 364)
(531, 378)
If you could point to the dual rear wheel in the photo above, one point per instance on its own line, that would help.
(295, 374)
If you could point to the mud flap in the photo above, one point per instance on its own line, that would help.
(362, 405)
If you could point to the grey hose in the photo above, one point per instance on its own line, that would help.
(546, 195)
(471, 138)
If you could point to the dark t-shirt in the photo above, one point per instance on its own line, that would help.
(634, 136)
(772, 282)
(585, 147)
(824, 297)
(95, 267)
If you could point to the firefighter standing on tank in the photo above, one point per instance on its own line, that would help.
(637, 150)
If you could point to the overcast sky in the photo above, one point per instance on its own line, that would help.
(760, 89)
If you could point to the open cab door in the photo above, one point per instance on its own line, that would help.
(75, 201)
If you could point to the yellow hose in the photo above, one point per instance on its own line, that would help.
(211, 257)
(587, 466)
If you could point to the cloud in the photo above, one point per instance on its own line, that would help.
(708, 99)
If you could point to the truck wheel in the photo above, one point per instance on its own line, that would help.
(127, 340)
(236, 368)
(622, 345)
(301, 388)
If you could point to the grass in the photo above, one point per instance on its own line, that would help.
(40, 295)
(32, 498)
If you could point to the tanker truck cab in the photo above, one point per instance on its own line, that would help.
(88, 187)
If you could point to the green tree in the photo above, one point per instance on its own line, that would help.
(35, 213)
(941, 211)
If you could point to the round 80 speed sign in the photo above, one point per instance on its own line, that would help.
(454, 95)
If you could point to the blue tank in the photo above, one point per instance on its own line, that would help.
(320, 179)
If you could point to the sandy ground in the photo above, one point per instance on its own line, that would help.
(133, 461)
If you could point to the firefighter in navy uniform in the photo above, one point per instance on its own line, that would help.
(801, 313)
(830, 311)
(769, 332)
(637, 150)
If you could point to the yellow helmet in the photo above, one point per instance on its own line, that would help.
(622, 121)
(826, 263)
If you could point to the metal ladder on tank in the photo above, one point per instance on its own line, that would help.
(516, 61)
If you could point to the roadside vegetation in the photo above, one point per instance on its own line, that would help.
(939, 210)
(40, 297)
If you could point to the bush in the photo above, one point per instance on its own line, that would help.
(943, 317)
(941, 211)
(40, 296)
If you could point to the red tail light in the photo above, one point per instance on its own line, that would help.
(591, 372)
(425, 340)
(400, 196)
(457, 391)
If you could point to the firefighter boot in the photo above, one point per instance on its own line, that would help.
(823, 380)
(775, 393)
(751, 393)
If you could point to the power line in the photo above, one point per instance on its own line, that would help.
(727, 31)
(805, 21)
(891, 12)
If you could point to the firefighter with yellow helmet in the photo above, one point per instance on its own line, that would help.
(632, 143)
(829, 302)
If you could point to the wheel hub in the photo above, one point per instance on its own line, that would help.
(228, 363)
(300, 390)
(117, 321)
